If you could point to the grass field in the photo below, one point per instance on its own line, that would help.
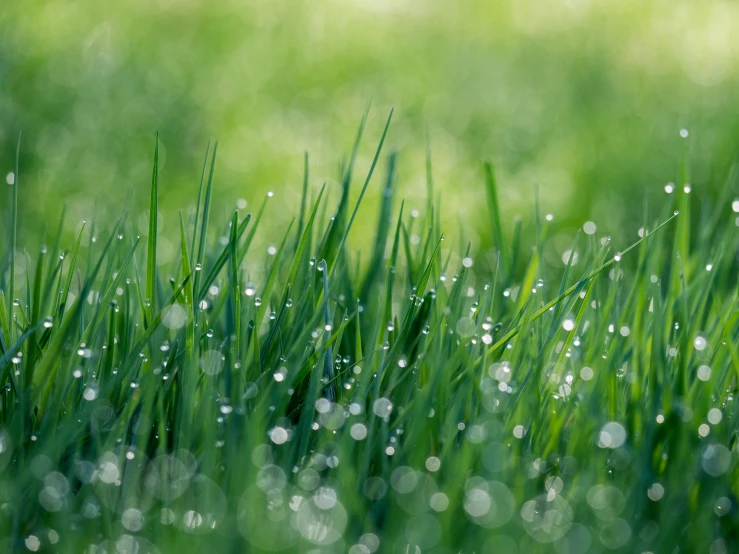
(420, 399)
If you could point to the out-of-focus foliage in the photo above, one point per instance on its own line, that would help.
(584, 99)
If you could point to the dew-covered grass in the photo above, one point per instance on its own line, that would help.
(417, 399)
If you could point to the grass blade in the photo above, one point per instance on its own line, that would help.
(151, 253)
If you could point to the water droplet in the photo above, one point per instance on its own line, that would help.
(700, 343)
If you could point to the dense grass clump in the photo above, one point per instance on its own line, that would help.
(417, 400)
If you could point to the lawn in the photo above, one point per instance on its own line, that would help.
(411, 394)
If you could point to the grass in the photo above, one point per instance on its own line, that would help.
(418, 400)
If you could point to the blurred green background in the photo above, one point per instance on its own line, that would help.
(585, 99)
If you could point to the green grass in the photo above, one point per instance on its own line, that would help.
(417, 400)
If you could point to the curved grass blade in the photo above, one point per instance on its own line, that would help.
(200, 197)
(151, 253)
(340, 248)
(206, 213)
(13, 236)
